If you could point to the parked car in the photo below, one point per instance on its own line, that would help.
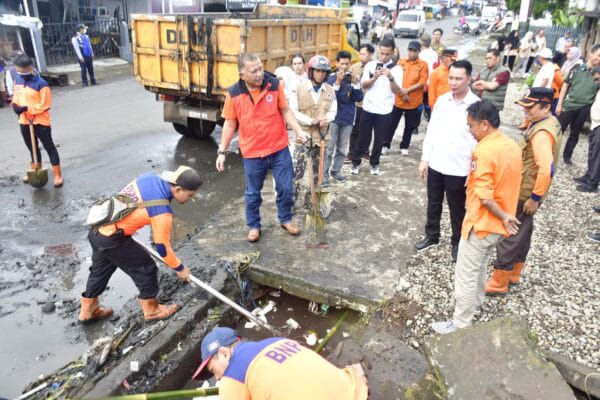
(410, 22)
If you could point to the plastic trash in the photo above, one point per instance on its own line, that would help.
(134, 366)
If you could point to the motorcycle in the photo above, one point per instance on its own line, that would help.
(461, 29)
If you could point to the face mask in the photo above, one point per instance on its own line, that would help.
(27, 76)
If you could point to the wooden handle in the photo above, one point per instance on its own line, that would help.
(321, 162)
(33, 144)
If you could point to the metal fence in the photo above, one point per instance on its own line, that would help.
(555, 32)
(104, 36)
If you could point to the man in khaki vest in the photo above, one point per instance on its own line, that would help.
(540, 145)
(314, 107)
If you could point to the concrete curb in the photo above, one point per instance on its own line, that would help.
(165, 341)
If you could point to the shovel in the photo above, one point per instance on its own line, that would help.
(314, 220)
(323, 197)
(37, 177)
(215, 293)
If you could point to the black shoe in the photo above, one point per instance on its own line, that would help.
(454, 252)
(94, 83)
(425, 243)
(595, 236)
(568, 161)
(587, 188)
(597, 209)
(582, 179)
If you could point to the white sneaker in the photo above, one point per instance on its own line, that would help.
(374, 171)
(384, 151)
(354, 170)
(444, 327)
(404, 152)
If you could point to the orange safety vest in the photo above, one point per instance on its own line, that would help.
(261, 129)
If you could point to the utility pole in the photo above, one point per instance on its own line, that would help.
(36, 42)
(525, 12)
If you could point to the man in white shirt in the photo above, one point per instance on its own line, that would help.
(432, 59)
(545, 75)
(315, 107)
(380, 81)
(446, 156)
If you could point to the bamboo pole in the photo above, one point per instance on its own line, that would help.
(332, 332)
(174, 394)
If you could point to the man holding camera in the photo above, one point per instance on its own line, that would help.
(347, 92)
(381, 81)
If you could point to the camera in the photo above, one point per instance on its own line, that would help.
(379, 66)
(348, 76)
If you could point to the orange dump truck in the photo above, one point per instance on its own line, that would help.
(189, 60)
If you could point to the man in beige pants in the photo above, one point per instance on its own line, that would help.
(492, 195)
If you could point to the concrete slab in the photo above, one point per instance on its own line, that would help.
(371, 232)
(495, 360)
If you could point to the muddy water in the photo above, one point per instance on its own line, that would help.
(309, 322)
(44, 254)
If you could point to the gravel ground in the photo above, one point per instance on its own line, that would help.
(560, 291)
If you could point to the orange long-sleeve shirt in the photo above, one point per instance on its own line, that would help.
(36, 95)
(438, 84)
(542, 144)
(557, 81)
(149, 187)
(414, 72)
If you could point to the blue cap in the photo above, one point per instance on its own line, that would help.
(217, 338)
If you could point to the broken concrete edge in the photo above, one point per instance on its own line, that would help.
(575, 373)
(301, 289)
(162, 343)
(431, 386)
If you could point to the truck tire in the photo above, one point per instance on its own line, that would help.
(179, 128)
(200, 129)
(196, 128)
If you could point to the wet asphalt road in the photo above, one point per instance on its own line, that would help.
(107, 135)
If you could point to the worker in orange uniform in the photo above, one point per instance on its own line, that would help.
(557, 83)
(31, 101)
(438, 82)
(274, 368)
(541, 145)
(409, 98)
(113, 247)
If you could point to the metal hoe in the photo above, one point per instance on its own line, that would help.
(214, 292)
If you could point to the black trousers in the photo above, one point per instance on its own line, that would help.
(510, 60)
(354, 133)
(43, 134)
(576, 119)
(529, 63)
(456, 194)
(87, 66)
(593, 169)
(369, 122)
(120, 251)
(412, 118)
(514, 249)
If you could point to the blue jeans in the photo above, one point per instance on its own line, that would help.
(337, 149)
(255, 170)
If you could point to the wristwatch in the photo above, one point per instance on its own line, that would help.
(221, 152)
(391, 79)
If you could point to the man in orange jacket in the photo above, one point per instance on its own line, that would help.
(31, 102)
(438, 82)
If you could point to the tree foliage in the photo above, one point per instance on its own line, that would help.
(541, 6)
